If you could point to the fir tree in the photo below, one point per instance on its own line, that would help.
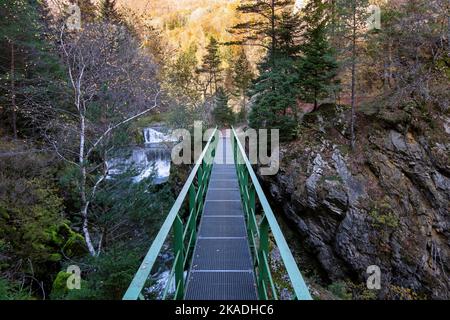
(277, 89)
(264, 20)
(29, 73)
(109, 12)
(276, 92)
(288, 34)
(318, 66)
(223, 115)
(242, 78)
(212, 65)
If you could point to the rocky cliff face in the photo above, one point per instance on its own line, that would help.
(385, 203)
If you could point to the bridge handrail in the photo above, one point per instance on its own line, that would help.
(264, 277)
(173, 220)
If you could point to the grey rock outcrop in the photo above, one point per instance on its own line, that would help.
(386, 204)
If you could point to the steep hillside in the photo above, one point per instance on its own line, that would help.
(185, 22)
(385, 204)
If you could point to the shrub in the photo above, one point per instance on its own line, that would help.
(340, 290)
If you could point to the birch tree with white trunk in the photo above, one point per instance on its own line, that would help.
(112, 84)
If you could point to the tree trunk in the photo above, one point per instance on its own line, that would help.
(83, 191)
(273, 33)
(353, 138)
(13, 93)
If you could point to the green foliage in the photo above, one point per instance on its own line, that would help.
(340, 290)
(106, 278)
(59, 287)
(242, 78)
(129, 227)
(263, 29)
(145, 207)
(241, 116)
(12, 291)
(242, 72)
(361, 292)
(318, 66)
(443, 65)
(383, 216)
(276, 94)
(211, 65)
(222, 113)
(276, 90)
(29, 68)
(287, 33)
(32, 224)
(182, 116)
(34, 232)
(181, 79)
(402, 293)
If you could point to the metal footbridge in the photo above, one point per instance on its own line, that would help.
(222, 231)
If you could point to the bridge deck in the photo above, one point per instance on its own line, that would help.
(222, 267)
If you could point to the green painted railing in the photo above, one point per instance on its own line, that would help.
(184, 234)
(259, 231)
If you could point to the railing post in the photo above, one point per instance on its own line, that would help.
(235, 150)
(201, 189)
(250, 218)
(193, 210)
(252, 204)
(246, 192)
(179, 251)
(263, 250)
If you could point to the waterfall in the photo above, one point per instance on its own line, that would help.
(157, 135)
(152, 158)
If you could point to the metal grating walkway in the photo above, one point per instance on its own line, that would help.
(222, 267)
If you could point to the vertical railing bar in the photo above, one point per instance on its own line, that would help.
(179, 250)
(170, 277)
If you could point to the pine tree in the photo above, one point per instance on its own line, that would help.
(212, 65)
(261, 27)
(242, 78)
(318, 66)
(276, 89)
(109, 12)
(276, 92)
(27, 68)
(288, 34)
(264, 17)
(223, 115)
